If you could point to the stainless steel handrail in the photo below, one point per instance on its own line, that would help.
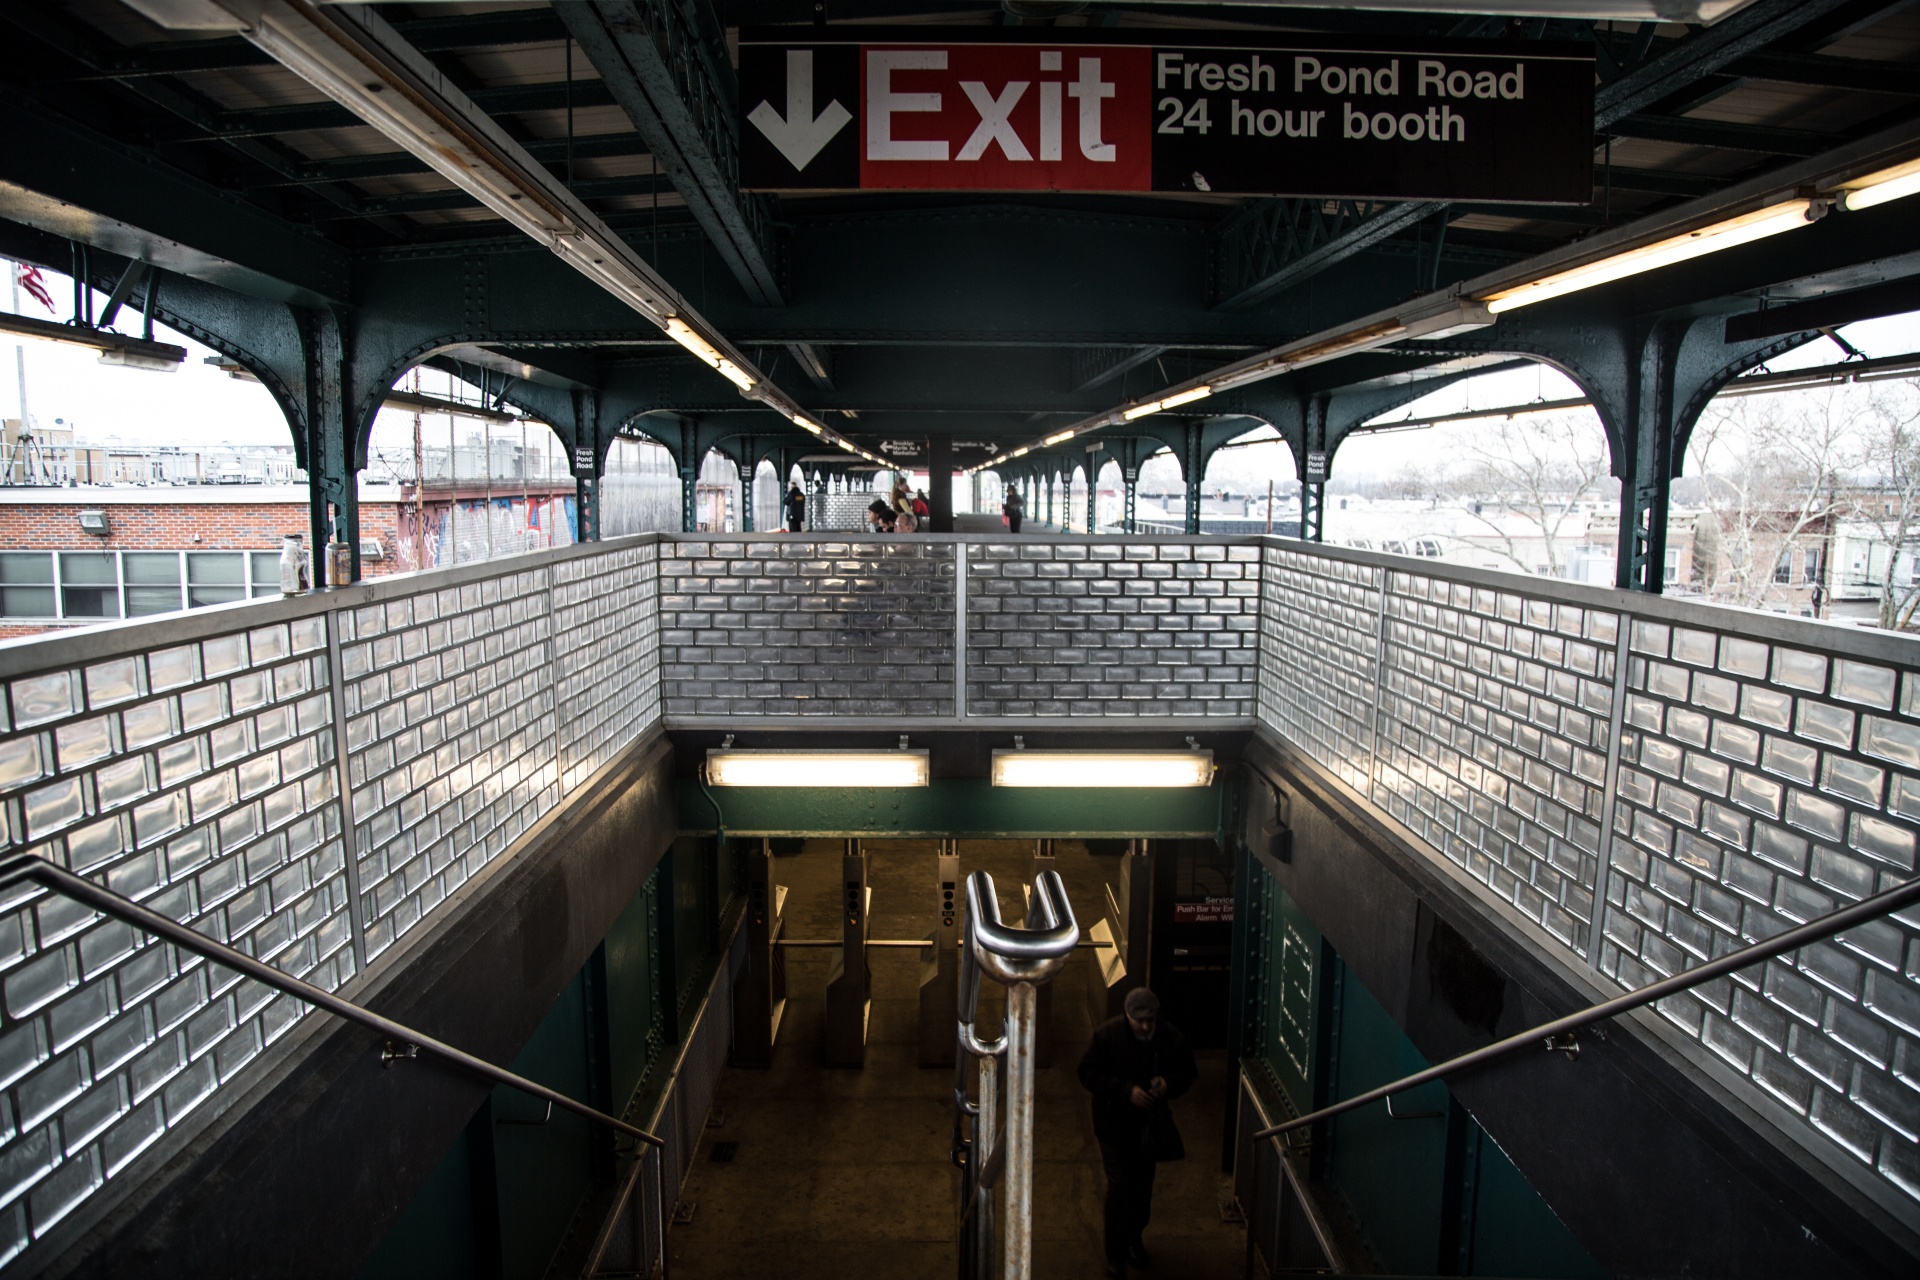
(30, 867)
(1558, 1035)
(1002, 1150)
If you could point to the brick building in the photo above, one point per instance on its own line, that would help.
(81, 556)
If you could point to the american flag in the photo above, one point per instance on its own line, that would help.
(31, 280)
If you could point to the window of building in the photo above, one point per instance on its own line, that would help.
(89, 584)
(153, 582)
(215, 577)
(26, 584)
(1670, 569)
(1813, 565)
(263, 568)
(1783, 567)
(94, 584)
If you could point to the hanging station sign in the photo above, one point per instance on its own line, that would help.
(865, 109)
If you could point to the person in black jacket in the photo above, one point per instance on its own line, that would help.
(796, 509)
(1135, 1066)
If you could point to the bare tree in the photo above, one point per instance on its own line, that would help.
(1887, 500)
(1772, 471)
(1539, 469)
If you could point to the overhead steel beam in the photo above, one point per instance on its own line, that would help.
(1751, 29)
(551, 152)
(1862, 75)
(1269, 246)
(428, 35)
(62, 178)
(453, 198)
(1773, 140)
(354, 57)
(815, 361)
(1092, 367)
(302, 117)
(661, 67)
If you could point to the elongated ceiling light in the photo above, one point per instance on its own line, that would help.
(355, 58)
(1022, 768)
(1879, 187)
(1744, 229)
(1167, 402)
(732, 767)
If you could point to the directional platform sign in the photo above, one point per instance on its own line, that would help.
(1098, 110)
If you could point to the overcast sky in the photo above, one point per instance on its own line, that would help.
(202, 406)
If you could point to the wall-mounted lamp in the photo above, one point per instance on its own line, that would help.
(1022, 768)
(95, 523)
(728, 766)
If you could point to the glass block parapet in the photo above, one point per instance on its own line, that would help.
(1647, 784)
(1767, 777)
(606, 616)
(197, 774)
(1102, 629)
(1636, 783)
(799, 627)
(1319, 655)
(212, 766)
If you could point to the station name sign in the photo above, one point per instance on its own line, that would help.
(864, 109)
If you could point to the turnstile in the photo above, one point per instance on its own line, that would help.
(1123, 937)
(940, 961)
(850, 983)
(760, 992)
(1044, 861)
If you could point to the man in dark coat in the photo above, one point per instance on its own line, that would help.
(796, 509)
(1135, 1066)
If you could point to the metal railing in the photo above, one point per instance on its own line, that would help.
(1631, 785)
(1560, 1035)
(996, 1239)
(403, 1042)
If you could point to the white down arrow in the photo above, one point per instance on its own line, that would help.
(801, 134)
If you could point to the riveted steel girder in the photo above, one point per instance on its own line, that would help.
(1269, 246)
(661, 65)
(65, 179)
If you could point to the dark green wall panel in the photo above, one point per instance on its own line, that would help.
(543, 1169)
(433, 1238)
(955, 808)
(1514, 1232)
(1392, 1172)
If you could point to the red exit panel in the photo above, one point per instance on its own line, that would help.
(1006, 117)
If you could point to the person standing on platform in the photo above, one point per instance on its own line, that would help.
(796, 509)
(1013, 507)
(922, 509)
(1135, 1066)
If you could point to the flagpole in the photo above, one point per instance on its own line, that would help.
(19, 349)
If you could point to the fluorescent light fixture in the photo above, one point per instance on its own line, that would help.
(1166, 402)
(735, 374)
(683, 333)
(144, 356)
(847, 445)
(1019, 768)
(1021, 452)
(1059, 438)
(1459, 317)
(1186, 397)
(732, 767)
(1661, 253)
(1882, 186)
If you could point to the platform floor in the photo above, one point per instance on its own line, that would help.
(843, 1172)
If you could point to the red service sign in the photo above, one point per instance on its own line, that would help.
(862, 109)
(1008, 117)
